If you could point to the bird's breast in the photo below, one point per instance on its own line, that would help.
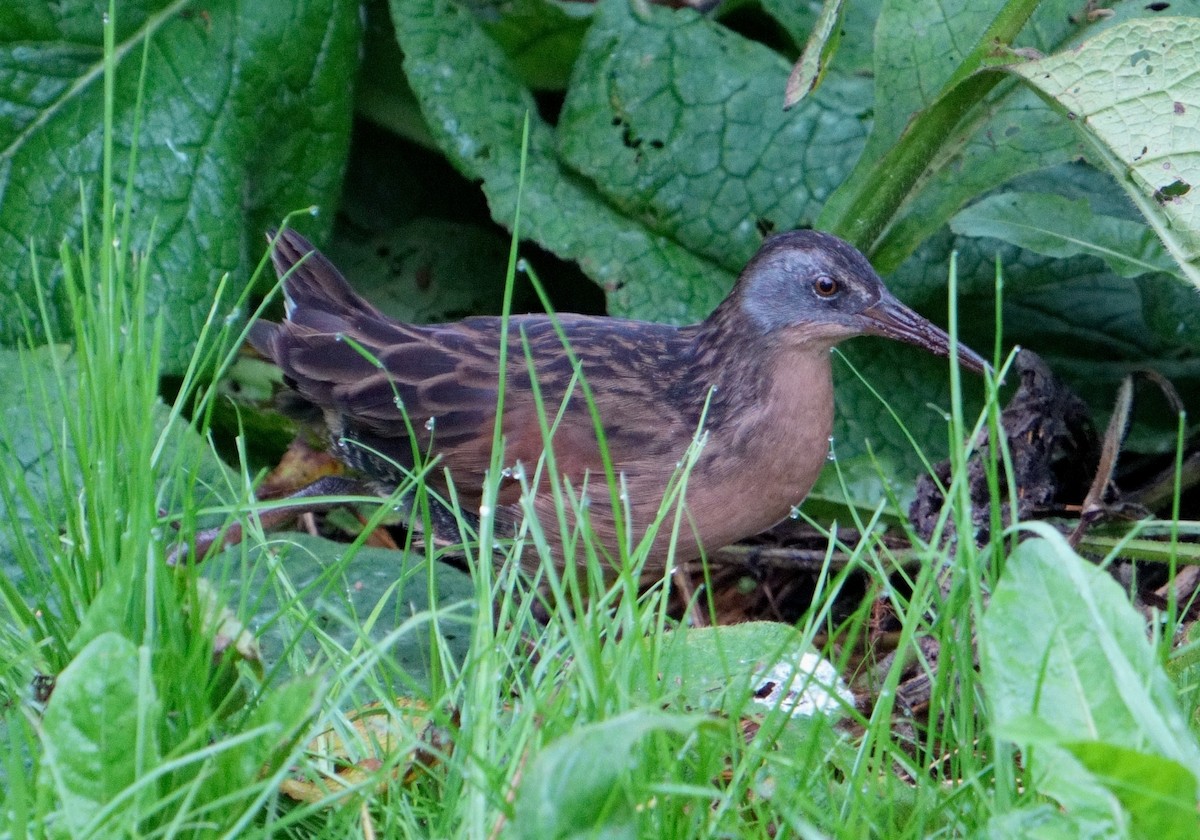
(757, 467)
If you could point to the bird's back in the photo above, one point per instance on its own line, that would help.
(394, 394)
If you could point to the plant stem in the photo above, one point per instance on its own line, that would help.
(878, 192)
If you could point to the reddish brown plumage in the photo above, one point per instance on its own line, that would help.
(760, 363)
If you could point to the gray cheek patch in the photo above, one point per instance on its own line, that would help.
(779, 295)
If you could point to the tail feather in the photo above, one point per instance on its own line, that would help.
(311, 283)
(317, 297)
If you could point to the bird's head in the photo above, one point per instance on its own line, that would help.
(812, 289)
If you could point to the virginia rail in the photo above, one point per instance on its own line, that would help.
(757, 371)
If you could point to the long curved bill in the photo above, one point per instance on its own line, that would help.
(892, 319)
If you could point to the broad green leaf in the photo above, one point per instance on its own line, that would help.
(1159, 794)
(1133, 94)
(541, 37)
(1065, 659)
(1060, 641)
(427, 270)
(1059, 227)
(919, 47)
(246, 117)
(475, 106)
(367, 595)
(579, 785)
(679, 123)
(1046, 822)
(1007, 136)
(92, 752)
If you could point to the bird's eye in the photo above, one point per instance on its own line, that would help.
(826, 286)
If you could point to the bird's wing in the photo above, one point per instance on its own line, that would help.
(399, 389)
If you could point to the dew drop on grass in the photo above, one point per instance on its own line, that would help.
(485, 510)
(794, 513)
(399, 402)
(522, 265)
(832, 456)
(430, 423)
(507, 472)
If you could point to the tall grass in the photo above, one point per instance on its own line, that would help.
(214, 744)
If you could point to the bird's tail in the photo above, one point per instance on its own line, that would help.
(318, 299)
(310, 281)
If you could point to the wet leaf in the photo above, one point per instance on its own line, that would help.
(245, 117)
(1065, 660)
(1056, 226)
(1132, 93)
(93, 737)
(579, 785)
(405, 740)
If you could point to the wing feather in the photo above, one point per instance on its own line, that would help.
(450, 373)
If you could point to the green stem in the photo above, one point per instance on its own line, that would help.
(877, 193)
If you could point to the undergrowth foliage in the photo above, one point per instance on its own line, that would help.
(394, 696)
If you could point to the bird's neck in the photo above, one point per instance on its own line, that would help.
(754, 374)
(730, 364)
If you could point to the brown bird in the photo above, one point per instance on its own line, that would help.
(754, 376)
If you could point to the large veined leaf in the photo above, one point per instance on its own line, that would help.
(245, 117)
(1133, 93)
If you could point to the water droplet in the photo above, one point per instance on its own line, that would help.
(831, 456)
(399, 402)
(794, 513)
(518, 471)
(485, 510)
(430, 423)
(506, 472)
(314, 210)
(522, 265)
